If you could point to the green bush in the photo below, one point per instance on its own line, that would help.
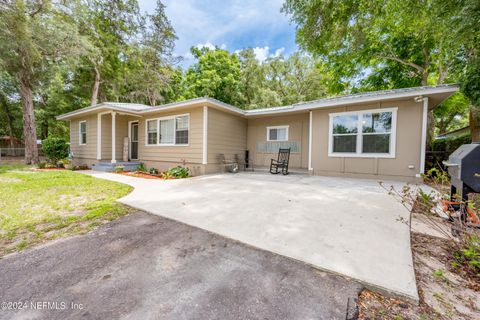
(153, 171)
(178, 172)
(118, 169)
(469, 255)
(451, 144)
(55, 149)
(41, 165)
(141, 167)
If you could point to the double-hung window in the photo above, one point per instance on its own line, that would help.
(168, 130)
(279, 133)
(82, 132)
(366, 133)
(152, 131)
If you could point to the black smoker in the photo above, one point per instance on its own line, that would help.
(464, 169)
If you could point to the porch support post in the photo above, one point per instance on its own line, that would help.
(310, 136)
(423, 149)
(205, 135)
(113, 137)
(99, 136)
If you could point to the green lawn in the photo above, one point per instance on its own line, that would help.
(38, 206)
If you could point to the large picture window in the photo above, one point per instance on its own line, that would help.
(366, 133)
(168, 130)
(82, 130)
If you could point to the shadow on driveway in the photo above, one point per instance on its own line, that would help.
(147, 267)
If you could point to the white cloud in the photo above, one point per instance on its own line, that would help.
(207, 44)
(236, 24)
(263, 53)
(279, 52)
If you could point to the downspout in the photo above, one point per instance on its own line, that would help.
(424, 136)
(310, 142)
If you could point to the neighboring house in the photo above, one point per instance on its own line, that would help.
(378, 134)
(7, 142)
(454, 133)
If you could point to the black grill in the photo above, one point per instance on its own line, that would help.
(464, 170)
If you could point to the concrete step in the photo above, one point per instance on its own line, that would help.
(109, 167)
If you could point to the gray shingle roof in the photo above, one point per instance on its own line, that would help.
(308, 105)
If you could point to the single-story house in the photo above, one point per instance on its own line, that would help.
(379, 134)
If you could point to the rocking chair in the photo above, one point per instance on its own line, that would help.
(281, 164)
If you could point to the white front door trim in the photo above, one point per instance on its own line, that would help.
(130, 138)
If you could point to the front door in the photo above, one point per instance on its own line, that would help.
(134, 141)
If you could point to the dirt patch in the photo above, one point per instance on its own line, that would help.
(9, 180)
(445, 292)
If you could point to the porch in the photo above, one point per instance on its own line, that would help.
(106, 166)
(117, 140)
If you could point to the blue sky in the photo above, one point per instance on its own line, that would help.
(232, 25)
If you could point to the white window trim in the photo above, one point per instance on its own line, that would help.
(80, 132)
(158, 144)
(359, 134)
(277, 127)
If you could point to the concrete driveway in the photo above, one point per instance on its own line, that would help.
(347, 226)
(147, 267)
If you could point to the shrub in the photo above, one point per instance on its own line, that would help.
(55, 149)
(469, 254)
(451, 144)
(141, 167)
(41, 165)
(153, 171)
(118, 169)
(178, 172)
(67, 163)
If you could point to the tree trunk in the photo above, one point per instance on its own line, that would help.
(9, 118)
(29, 129)
(96, 86)
(475, 123)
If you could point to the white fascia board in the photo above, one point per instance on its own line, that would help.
(191, 102)
(341, 101)
(97, 107)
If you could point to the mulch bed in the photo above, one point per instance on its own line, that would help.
(139, 175)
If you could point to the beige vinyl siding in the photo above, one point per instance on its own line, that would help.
(227, 134)
(192, 153)
(408, 141)
(88, 150)
(297, 132)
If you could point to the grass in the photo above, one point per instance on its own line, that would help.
(36, 206)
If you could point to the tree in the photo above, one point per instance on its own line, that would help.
(452, 114)
(216, 74)
(9, 108)
(149, 61)
(109, 26)
(353, 35)
(252, 77)
(34, 35)
(464, 17)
